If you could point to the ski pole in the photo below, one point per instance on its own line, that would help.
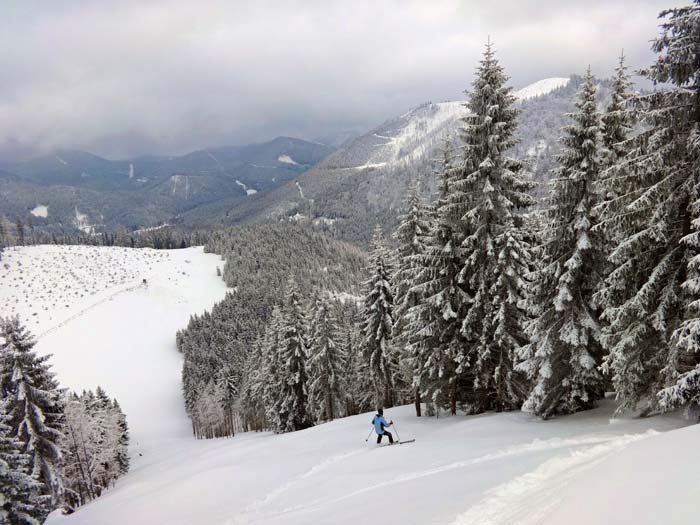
(368, 435)
(396, 430)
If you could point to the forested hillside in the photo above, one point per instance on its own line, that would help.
(257, 263)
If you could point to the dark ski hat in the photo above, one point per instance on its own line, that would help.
(380, 411)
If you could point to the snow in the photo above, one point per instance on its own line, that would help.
(82, 222)
(152, 228)
(301, 192)
(178, 182)
(287, 160)
(40, 210)
(491, 468)
(48, 285)
(541, 87)
(248, 191)
(59, 159)
(131, 171)
(416, 132)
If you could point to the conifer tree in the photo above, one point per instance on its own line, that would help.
(327, 362)
(122, 450)
(19, 492)
(292, 409)
(655, 185)
(617, 118)
(489, 192)
(270, 380)
(563, 358)
(378, 322)
(435, 338)
(410, 235)
(34, 407)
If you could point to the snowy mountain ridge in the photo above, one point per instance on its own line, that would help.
(410, 137)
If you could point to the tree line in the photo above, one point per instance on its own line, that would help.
(57, 449)
(23, 233)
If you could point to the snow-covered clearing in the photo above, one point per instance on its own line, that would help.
(286, 159)
(487, 469)
(40, 210)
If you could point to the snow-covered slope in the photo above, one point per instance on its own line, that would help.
(487, 469)
(408, 138)
(106, 328)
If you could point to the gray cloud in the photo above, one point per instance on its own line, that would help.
(167, 76)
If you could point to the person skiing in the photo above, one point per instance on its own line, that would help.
(380, 424)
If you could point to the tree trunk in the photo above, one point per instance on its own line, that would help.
(418, 414)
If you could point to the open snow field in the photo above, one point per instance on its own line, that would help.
(488, 469)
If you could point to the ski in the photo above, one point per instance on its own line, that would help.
(396, 443)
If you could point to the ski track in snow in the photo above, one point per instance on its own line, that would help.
(316, 469)
(529, 498)
(596, 447)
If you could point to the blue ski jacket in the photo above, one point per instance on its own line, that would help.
(379, 423)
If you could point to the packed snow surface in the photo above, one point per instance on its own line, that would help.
(507, 468)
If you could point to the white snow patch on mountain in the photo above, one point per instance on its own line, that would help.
(248, 191)
(301, 192)
(40, 211)
(131, 171)
(82, 222)
(541, 87)
(59, 159)
(286, 159)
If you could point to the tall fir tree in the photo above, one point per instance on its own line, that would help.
(34, 405)
(327, 362)
(434, 324)
(564, 354)
(490, 192)
(410, 235)
(378, 322)
(293, 407)
(19, 492)
(655, 186)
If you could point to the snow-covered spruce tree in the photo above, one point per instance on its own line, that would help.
(292, 408)
(434, 324)
(358, 387)
(617, 118)
(270, 380)
(122, 450)
(19, 492)
(410, 235)
(252, 399)
(564, 354)
(655, 184)
(34, 405)
(327, 362)
(617, 122)
(492, 189)
(378, 322)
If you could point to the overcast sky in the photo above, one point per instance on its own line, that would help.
(123, 78)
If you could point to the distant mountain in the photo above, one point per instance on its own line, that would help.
(364, 182)
(75, 189)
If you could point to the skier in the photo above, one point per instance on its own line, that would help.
(379, 424)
